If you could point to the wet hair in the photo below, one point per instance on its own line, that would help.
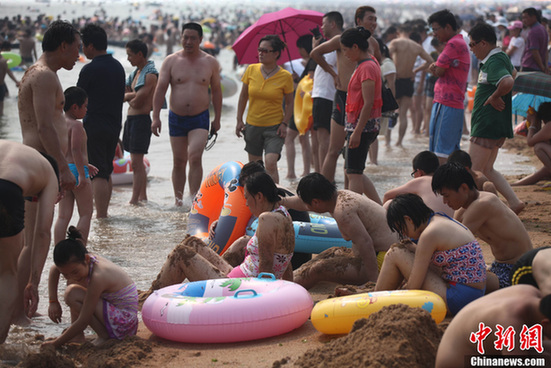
(533, 12)
(305, 42)
(92, 34)
(137, 46)
(426, 161)
(58, 32)
(52, 162)
(356, 36)
(193, 26)
(443, 18)
(410, 205)
(315, 186)
(250, 168)
(262, 182)
(483, 32)
(461, 157)
(360, 12)
(74, 96)
(71, 249)
(335, 16)
(544, 112)
(451, 175)
(383, 48)
(545, 306)
(276, 43)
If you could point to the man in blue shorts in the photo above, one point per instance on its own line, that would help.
(103, 80)
(140, 87)
(189, 73)
(452, 69)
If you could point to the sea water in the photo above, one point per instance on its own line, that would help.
(139, 238)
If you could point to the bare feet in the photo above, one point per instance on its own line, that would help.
(291, 176)
(518, 207)
(21, 320)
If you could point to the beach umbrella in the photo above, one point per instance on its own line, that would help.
(522, 101)
(535, 83)
(289, 24)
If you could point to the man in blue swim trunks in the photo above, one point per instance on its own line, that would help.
(487, 217)
(24, 172)
(189, 73)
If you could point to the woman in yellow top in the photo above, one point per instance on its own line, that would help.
(266, 85)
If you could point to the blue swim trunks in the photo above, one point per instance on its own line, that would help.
(74, 170)
(180, 126)
(503, 272)
(459, 295)
(446, 127)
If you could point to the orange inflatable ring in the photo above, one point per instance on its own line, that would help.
(220, 198)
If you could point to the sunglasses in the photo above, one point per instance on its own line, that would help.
(473, 44)
(264, 51)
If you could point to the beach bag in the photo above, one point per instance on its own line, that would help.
(389, 102)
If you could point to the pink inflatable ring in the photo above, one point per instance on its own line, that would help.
(227, 310)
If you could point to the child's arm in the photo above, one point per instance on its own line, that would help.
(54, 309)
(93, 295)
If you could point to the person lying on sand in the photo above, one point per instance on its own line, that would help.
(269, 250)
(486, 216)
(445, 259)
(514, 311)
(359, 219)
(424, 165)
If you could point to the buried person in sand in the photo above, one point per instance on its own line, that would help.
(359, 219)
(446, 258)
(269, 250)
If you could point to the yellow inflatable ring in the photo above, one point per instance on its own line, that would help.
(13, 59)
(303, 105)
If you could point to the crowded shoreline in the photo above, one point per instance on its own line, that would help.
(533, 197)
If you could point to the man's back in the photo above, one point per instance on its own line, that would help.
(404, 52)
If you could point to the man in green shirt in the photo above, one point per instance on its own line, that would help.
(491, 120)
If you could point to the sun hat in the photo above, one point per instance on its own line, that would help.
(501, 21)
(517, 24)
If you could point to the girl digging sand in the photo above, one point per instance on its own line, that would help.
(100, 293)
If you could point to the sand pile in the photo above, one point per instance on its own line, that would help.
(396, 336)
(111, 354)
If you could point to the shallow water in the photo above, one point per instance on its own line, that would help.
(139, 237)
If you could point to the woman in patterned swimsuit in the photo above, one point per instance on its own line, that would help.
(109, 300)
(443, 257)
(269, 250)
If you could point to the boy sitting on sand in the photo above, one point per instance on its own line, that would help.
(359, 219)
(424, 165)
(486, 216)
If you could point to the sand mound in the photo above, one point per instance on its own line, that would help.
(111, 354)
(396, 336)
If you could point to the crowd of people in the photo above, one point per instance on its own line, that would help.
(421, 235)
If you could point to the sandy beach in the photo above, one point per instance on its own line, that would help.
(379, 341)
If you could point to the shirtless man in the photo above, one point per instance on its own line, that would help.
(359, 219)
(140, 88)
(404, 52)
(424, 165)
(43, 127)
(23, 172)
(486, 216)
(365, 17)
(189, 73)
(534, 268)
(516, 307)
(27, 47)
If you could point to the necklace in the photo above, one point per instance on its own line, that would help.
(270, 73)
